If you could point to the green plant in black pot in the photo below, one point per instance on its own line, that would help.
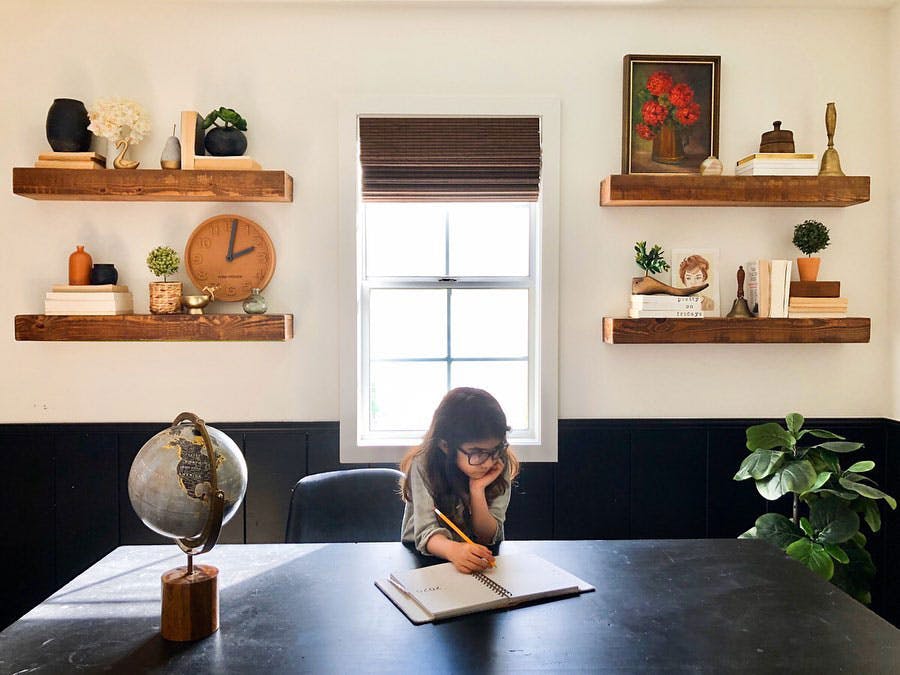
(226, 138)
(810, 237)
(827, 539)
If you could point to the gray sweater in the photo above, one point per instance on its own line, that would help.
(420, 521)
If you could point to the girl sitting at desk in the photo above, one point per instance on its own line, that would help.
(465, 468)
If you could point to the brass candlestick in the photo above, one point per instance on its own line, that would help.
(831, 162)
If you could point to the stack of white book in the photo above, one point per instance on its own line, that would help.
(778, 164)
(665, 307)
(769, 287)
(103, 300)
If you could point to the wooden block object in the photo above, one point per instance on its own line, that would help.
(240, 163)
(191, 137)
(815, 289)
(190, 603)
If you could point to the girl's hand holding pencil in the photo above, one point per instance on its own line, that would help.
(467, 556)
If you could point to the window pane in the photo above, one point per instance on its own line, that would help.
(407, 323)
(404, 240)
(489, 322)
(489, 240)
(404, 395)
(506, 380)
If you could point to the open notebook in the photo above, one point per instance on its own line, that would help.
(440, 592)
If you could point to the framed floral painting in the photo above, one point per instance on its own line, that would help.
(670, 113)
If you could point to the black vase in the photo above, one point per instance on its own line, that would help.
(67, 126)
(104, 273)
(225, 142)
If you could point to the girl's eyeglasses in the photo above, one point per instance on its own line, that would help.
(478, 456)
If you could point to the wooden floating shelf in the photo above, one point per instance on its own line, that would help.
(153, 185)
(156, 327)
(695, 190)
(734, 331)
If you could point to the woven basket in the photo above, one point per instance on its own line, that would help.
(165, 297)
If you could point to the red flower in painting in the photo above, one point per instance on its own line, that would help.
(645, 132)
(688, 114)
(659, 83)
(681, 95)
(653, 113)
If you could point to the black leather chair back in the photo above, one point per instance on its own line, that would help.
(346, 506)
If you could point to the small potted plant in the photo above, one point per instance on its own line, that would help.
(225, 139)
(653, 262)
(165, 295)
(810, 236)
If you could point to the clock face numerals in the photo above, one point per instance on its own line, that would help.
(231, 252)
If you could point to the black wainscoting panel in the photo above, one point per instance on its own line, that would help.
(668, 483)
(592, 481)
(87, 509)
(276, 460)
(233, 530)
(890, 524)
(530, 514)
(323, 449)
(733, 506)
(27, 541)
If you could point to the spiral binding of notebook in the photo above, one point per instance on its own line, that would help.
(493, 585)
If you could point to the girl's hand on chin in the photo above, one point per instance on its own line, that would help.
(488, 478)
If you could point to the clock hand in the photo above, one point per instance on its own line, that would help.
(230, 255)
(242, 252)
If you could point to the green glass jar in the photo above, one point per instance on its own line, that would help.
(256, 303)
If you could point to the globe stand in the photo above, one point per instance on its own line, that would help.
(190, 595)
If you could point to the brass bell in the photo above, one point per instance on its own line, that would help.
(740, 309)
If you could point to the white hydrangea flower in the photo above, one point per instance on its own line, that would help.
(119, 119)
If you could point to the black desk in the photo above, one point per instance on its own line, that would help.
(660, 606)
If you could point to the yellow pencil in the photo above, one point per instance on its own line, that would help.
(456, 529)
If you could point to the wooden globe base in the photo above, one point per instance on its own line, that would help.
(190, 603)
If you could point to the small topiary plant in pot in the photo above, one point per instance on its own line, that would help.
(226, 138)
(165, 295)
(827, 539)
(810, 237)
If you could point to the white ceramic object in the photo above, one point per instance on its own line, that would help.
(711, 166)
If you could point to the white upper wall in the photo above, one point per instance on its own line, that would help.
(287, 66)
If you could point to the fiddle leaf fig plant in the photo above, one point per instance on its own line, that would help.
(652, 261)
(827, 538)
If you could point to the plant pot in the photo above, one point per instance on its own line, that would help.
(67, 126)
(808, 268)
(165, 297)
(225, 142)
(104, 273)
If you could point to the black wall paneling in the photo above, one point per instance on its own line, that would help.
(66, 492)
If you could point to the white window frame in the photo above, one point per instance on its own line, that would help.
(541, 444)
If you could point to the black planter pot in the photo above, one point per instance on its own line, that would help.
(104, 273)
(225, 141)
(67, 126)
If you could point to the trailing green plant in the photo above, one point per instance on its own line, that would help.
(652, 261)
(828, 540)
(810, 236)
(229, 117)
(163, 261)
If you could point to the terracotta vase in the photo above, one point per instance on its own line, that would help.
(667, 145)
(808, 268)
(80, 267)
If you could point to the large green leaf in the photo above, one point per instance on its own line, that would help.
(775, 528)
(807, 528)
(839, 446)
(796, 477)
(759, 464)
(837, 553)
(849, 496)
(821, 433)
(865, 465)
(868, 491)
(813, 556)
(794, 422)
(855, 578)
(767, 436)
(871, 513)
(834, 520)
(821, 479)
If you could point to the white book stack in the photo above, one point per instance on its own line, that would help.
(106, 300)
(778, 164)
(665, 307)
(817, 308)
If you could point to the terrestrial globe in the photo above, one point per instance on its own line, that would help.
(170, 484)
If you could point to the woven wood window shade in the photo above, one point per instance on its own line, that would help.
(437, 159)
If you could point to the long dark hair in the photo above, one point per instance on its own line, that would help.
(464, 414)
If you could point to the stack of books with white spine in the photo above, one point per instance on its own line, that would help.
(817, 308)
(100, 300)
(665, 307)
(70, 160)
(778, 164)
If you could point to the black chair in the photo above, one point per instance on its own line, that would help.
(346, 506)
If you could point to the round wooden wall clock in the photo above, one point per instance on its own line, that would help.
(232, 252)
